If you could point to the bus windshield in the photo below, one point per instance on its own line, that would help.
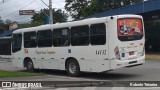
(130, 29)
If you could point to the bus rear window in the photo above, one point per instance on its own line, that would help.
(130, 29)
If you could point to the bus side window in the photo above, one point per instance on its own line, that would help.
(16, 42)
(80, 35)
(61, 37)
(98, 34)
(30, 40)
(44, 38)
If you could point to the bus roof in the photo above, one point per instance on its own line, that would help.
(71, 24)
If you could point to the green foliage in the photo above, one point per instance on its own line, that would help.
(39, 18)
(4, 74)
(76, 7)
(82, 8)
(58, 16)
(31, 24)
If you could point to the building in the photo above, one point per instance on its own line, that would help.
(150, 10)
(13, 25)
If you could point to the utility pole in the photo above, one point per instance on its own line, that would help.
(3, 1)
(50, 11)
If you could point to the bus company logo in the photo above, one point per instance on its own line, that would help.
(25, 51)
(131, 43)
(141, 44)
(6, 84)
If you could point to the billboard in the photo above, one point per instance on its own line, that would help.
(26, 12)
(127, 27)
(130, 29)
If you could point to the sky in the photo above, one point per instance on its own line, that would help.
(10, 8)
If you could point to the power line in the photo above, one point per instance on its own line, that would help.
(2, 2)
(26, 6)
(28, 16)
(19, 9)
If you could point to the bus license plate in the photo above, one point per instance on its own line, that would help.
(131, 53)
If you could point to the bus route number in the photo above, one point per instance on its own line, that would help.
(101, 52)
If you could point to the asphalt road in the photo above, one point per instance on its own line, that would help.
(150, 71)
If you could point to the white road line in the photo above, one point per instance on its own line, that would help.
(118, 88)
(61, 89)
(89, 88)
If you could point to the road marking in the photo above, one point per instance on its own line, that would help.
(89, 88)
(118, 88)
(61, 89)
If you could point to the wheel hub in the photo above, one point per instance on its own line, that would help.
(72, 67)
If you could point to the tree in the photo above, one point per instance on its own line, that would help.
(98, 6)
(58, 16)
(40, 17)
(8, 21)
(1, 22)
(82, 8)
(3, 26)
(76, 7)
(31, 24)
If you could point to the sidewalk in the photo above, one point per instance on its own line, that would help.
(153, 56)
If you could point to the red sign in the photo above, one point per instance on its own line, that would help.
(26, 12)
(25, 51)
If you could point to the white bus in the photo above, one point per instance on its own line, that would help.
(90, 45)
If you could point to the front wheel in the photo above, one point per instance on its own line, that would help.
(73, 68)
(30, 66)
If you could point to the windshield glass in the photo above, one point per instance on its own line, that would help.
(130, 29)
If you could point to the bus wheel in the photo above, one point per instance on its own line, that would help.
(30, 66)
(73, 68)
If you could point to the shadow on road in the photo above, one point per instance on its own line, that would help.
(94, 76)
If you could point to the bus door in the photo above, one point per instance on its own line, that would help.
(16, 50)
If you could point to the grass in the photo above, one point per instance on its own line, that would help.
(153, 56)
(4, 74)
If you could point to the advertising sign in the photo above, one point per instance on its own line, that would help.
(26, 12)
(128, 27)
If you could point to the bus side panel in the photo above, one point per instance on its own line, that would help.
(47, 57)
(61, 54)
(89, 59)
(17, 61)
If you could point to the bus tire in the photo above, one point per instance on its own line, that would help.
(30, 66)
(73, 68)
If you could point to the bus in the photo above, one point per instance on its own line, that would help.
(90, 45)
